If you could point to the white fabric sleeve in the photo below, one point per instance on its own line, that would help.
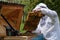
(48, 12)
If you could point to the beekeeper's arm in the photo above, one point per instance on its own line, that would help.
(52, 14)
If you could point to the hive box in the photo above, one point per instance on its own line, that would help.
(13, 12)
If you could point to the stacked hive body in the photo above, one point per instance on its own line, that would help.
(13, 12)
(32, 21)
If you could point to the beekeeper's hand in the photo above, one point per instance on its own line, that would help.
(36, 10)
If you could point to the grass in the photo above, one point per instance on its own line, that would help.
(21, 28)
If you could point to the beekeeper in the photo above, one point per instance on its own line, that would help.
(49, 24)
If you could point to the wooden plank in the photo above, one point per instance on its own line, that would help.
(2, 29)
(18, 38)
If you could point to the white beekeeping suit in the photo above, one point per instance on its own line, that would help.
(49, 24)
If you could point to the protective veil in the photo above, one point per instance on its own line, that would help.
(49, 24)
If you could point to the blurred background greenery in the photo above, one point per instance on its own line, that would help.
(30, 4)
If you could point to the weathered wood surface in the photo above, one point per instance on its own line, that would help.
(18, 38)
(13, 13)
(32, 20)
(2, 28)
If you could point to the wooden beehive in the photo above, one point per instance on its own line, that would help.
(32, 21)
(13, 13)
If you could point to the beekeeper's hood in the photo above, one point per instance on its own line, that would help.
(41, 5)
